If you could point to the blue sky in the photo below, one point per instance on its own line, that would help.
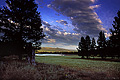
(65, 21)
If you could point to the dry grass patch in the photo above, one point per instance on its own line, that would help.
(20, 70)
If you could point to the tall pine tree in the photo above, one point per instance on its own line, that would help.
(20, 22)
(81, 47)
(101, 40)
(115, 36)
(93, 47)
(101, 44)
(87, 45)
(93, 44)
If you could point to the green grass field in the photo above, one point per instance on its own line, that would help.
(74, 62)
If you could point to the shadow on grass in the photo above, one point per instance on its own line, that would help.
(99, 59)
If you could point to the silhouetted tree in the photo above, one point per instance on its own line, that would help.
(87, 45)
(93, 46)
(81, 47)
(20, 22)
(115, 36)
(101, 40)
(109, 49)
(101, 43)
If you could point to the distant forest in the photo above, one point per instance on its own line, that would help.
(105, 47)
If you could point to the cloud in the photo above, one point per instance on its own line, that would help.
(93, 7)
(84, 18)
(51, 41)
(57, 36)
(49, 5)
(61, 45)
(92, 1)
(62, 22)
(46, 23)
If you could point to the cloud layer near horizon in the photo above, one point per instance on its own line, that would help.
(57, 36)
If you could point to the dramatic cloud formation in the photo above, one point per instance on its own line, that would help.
(66, 21)
(82, 18)
(81, 13)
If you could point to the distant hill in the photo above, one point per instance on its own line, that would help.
(50, 49)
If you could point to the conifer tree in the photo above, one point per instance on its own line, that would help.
(87, 45)
(93, 44)
(101, 44)
(20, 22)
(115, 36)
(101, 40)
(93, 47)
(81, 47)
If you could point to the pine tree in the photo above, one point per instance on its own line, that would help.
(20, 22)
(101, 44)
(93, 44)
(87, 45)
(115, 36)
(101, 40)
(81, 47)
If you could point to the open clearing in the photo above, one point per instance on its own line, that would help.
(110, 69)
(59, 68)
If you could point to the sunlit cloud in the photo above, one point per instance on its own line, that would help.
(94, 6)
(92, 1)
(51, 41)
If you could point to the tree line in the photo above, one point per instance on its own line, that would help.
(102, 47)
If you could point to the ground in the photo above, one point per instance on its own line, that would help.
(59, 68)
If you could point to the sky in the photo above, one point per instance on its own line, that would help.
(66, 21)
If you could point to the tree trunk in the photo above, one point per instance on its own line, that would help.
(20, 56)
(82, 57)
(33, 57)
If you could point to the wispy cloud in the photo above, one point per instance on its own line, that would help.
(51, 41)
(94, 6)
(83, 17)
(62, 22)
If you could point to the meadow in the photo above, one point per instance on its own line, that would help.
(108, 68)
(69, 67)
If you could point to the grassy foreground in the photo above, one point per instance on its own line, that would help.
(59, 68)
(21, 70)
(110, 69)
